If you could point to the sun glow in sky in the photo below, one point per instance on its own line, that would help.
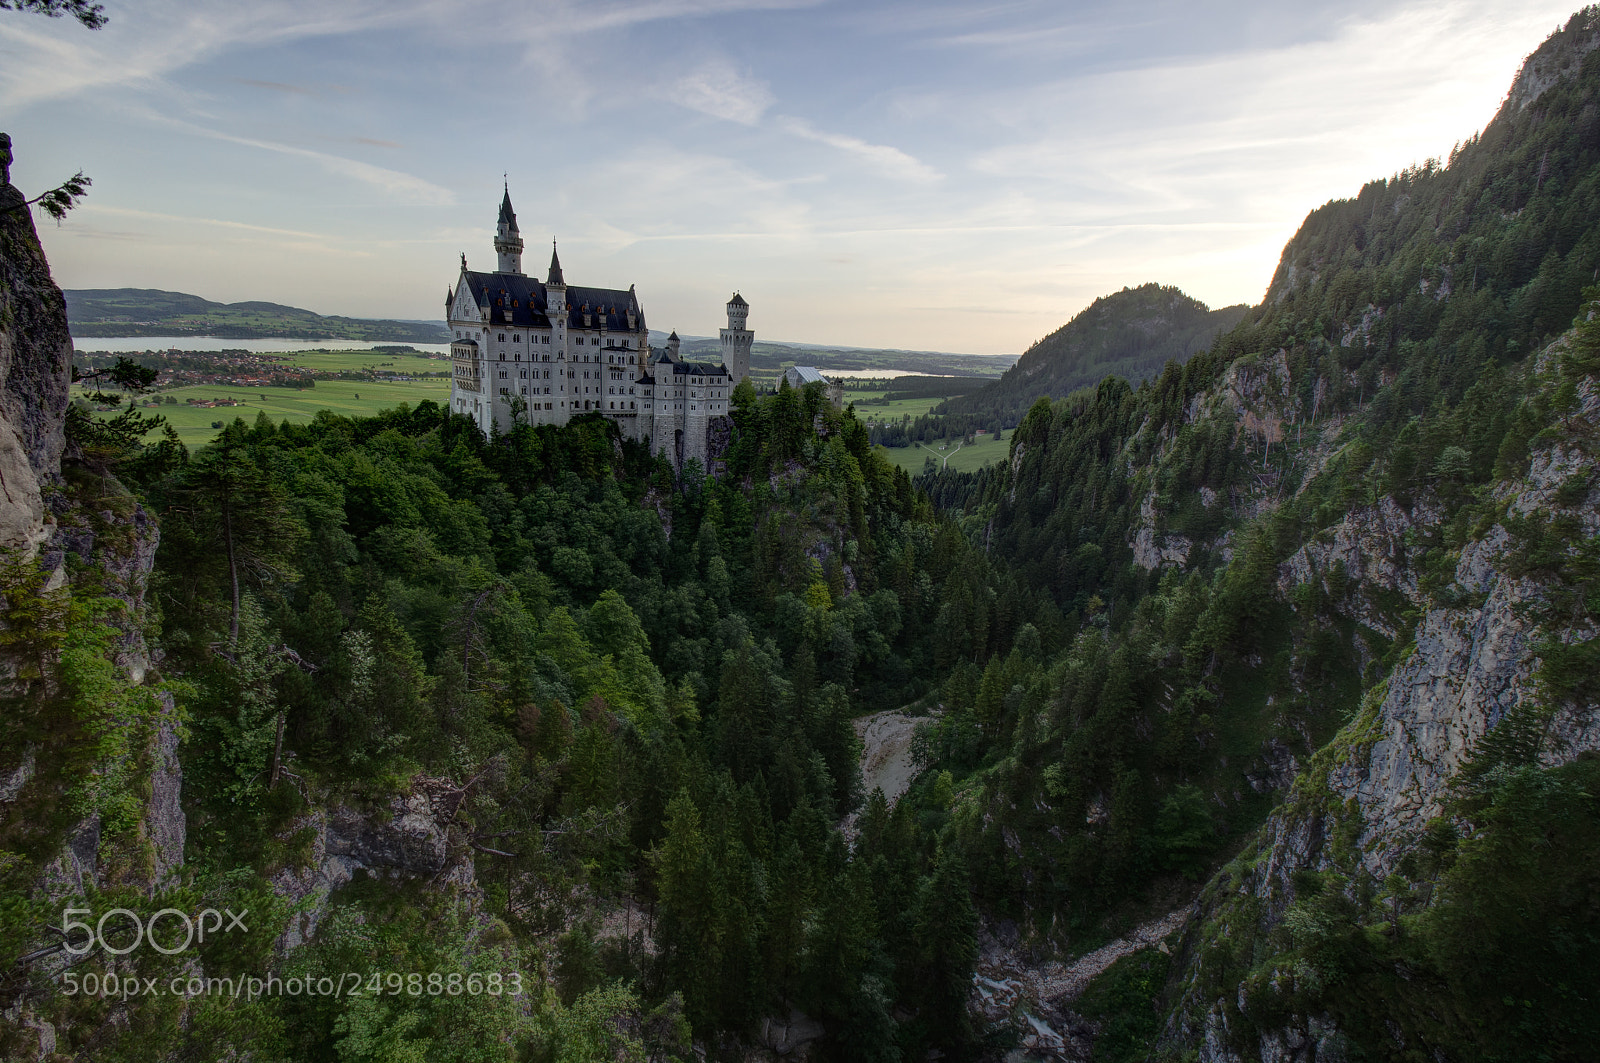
(959, 176)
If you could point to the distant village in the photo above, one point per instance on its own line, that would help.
(241, 368)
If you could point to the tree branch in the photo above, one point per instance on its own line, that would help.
(60, 199)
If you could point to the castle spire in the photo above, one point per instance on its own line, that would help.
(508, 217)
(555, 267)
(507, 241)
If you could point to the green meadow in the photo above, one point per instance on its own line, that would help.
(956, 457)
(352, 398)
(362, 398)
(892, 411)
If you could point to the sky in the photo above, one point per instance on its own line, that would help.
(960, 176)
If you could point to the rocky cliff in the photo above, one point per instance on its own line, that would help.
(1376, 800)
(35, 362)
(90, 780)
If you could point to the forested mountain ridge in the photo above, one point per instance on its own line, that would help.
(152, 312)
(1340, 558)
(1130, 334)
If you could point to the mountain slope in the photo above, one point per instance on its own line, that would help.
(151, 312)
(1131, 334)
(1355, 537)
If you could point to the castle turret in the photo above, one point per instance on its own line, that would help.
(555, 280)
(737, 340)
(507, 241)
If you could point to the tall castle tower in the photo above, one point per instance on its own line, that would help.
(507, 241)
(736, 340)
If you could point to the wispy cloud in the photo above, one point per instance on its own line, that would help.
(885, 159)
(277, 86)
(401, 187)
(398, 186)
(589, 17)
(719, 89)
(189, 219)
(58, 59)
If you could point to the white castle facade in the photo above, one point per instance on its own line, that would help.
(549, 352)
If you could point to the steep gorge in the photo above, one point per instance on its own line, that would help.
(1333, 588)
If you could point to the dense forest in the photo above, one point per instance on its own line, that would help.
(347, 605)
(1161, 661)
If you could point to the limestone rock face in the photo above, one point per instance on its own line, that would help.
(1560, 57)
(1366, 552)
(1388, 775)
(409, 838)
(35, 371)
(164, 823)
(22, 523)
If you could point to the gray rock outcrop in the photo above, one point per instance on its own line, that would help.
(35, 372)
(409, 837)
(1369, 795)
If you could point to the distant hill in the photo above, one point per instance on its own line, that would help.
(1131, 334)
(150, 312)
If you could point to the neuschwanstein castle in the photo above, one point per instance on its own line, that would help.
(555, 350)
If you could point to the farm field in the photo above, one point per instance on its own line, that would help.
(968, 458)
(356, 398)
(875, 414)
(379, 361)
(352, 398)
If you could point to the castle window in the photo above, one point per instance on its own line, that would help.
(502, 337)
(516, 337)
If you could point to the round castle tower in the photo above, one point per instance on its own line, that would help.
(737, 339)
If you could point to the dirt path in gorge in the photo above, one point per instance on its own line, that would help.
(886, 752)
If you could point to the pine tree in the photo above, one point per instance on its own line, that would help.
(947, 931)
